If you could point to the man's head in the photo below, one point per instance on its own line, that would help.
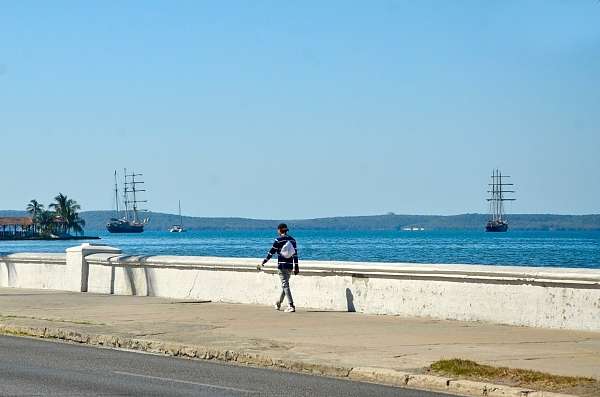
(282, 229)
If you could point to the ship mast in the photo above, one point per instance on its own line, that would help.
(131, 187)
(116, 197)
(125, 194)
(180, 218)
(497, 195)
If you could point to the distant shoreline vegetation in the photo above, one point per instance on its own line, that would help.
(96, 220)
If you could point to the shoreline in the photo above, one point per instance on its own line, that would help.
(51, 238)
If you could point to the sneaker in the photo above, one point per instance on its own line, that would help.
(277, 305)
(290, 309)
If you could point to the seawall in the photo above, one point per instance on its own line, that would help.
(562, 298)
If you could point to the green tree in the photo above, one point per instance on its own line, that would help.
(73, 221)
(67, 214)
(46, 222)
(34, 208)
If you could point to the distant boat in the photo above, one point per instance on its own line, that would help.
(413, 229)
(498, 221)
(178, 228)
(130, 221)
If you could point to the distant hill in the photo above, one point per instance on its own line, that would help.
(96, 220)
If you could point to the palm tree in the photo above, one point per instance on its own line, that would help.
(66, 211)
(34, 208)
(61, 208)
(46, 221)
(77, 224)
(72, 219)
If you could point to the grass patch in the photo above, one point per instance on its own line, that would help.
(516, 377)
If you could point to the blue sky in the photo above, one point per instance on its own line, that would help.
(302, 109)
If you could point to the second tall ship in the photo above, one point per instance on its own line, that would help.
(129, 221)
(498, 221)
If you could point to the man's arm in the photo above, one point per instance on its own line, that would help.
(296, 268)
(272, 252)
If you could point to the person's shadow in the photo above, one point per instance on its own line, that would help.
(350, 300)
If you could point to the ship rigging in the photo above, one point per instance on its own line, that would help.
(498, 221)
(130, 221)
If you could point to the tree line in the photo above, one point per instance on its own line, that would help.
(60, 217)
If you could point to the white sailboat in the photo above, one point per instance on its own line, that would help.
(178, 228)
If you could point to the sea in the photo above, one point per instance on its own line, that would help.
(577, 249)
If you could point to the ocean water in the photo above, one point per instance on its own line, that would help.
(521, 248)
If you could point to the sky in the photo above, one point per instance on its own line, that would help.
(289, 109)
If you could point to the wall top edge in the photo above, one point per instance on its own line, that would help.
(33, 256)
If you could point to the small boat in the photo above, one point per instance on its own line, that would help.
(413, 229)
(178, 228)
(497, 221)
(130, 221)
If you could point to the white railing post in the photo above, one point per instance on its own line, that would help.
(78, 268)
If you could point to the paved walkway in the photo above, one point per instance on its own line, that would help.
(331, 338)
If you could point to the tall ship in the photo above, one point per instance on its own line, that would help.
(129, 221)
(498, 221)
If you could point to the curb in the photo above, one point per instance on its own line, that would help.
(443, 384)
(365, 374)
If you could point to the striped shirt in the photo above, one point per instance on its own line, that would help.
(283, 263)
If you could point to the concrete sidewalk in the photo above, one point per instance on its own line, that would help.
(335, 339)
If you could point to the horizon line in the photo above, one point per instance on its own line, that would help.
(390, 213)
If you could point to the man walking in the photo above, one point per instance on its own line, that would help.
(287, 260)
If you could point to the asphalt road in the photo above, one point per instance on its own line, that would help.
(30, 367)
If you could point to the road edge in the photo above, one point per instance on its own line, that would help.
(385, 376)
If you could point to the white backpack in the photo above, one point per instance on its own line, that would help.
(288, 250)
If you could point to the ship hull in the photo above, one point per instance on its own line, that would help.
(121, 229)
(124, 227)
(496, 227)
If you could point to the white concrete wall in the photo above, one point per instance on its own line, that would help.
(39, 271)
(537, 297)
(526, 296)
